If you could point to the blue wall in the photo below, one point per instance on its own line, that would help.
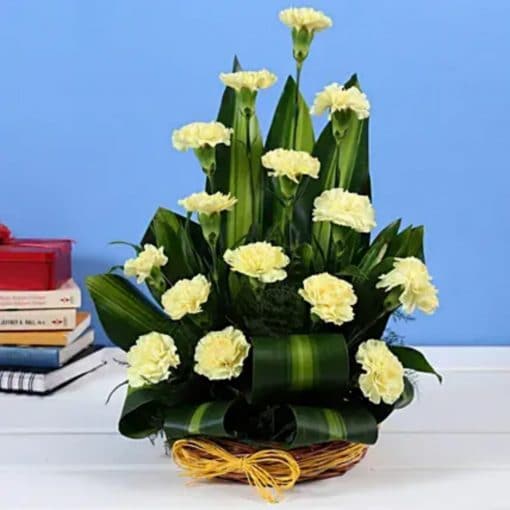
(91, 90)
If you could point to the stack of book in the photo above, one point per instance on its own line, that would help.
(45, 340)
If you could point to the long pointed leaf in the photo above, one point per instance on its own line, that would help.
(239, 169)
(414, 360)
(184, 252)
(125, 314)
(281, 132)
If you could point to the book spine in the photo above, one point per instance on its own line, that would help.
(69, 298)
(29, 357)
(38, 320)
(19, 381)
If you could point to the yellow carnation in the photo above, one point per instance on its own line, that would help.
(251, 80)
(186, 296)
(305, 18)
(203, 203)
(148, 259)
(151, 359)
(331, 298)
(336, 98)
(384, 374)
(261, 260)
(412, 276)
(291, 164)
(345, 208)
(200, 134)
(220, 354)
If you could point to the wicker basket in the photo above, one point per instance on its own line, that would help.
(316, 462)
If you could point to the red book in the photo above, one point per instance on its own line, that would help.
(34, 264)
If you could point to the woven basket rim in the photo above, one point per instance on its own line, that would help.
(317, 461)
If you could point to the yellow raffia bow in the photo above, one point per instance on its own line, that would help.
(270, 471)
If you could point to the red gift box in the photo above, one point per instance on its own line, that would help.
(34, 264)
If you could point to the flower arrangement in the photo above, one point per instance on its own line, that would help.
(270, 298)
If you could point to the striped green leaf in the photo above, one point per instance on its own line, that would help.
(379, 247)
(351, 422)
(281, 135)
(205, 419)
(281, 132)
(144, 408)
(125, 314)
(238, 169)
(299, 368)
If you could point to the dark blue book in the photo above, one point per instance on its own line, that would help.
(43, 357)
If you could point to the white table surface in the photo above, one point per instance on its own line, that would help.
(63, 451)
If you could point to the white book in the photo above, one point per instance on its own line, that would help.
(66, 296)
(47, 380)
(37, 320)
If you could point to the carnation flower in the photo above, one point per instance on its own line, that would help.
(261, 260)
(331, 298)
(151, 358)
(383, 377)
(203, 203)
(220, 354)
(251, 80)
(291, 164)
(147, 260)
(336, 98)
(5, 234)
(305, 18)
(200, 134)
(186, 297)
(345, 208)
(412, 276)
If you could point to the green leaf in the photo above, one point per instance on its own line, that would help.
(414, 360)
(299, 367)
(351, 422)
(239, 171)
(343, 166)
(281, 132)
(206, 419)
(281, 135)
(139, 416)
(325, 150)
(185, 249)
(353, 165)
(407, 396)
(144, 408)
(379, 247)
(125, 313)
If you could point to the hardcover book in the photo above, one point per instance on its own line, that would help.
(37, 320)
(47, 380)
(43, 357)
(66, 296)
(57, 338)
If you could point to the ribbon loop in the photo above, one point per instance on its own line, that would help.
(270, 471)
